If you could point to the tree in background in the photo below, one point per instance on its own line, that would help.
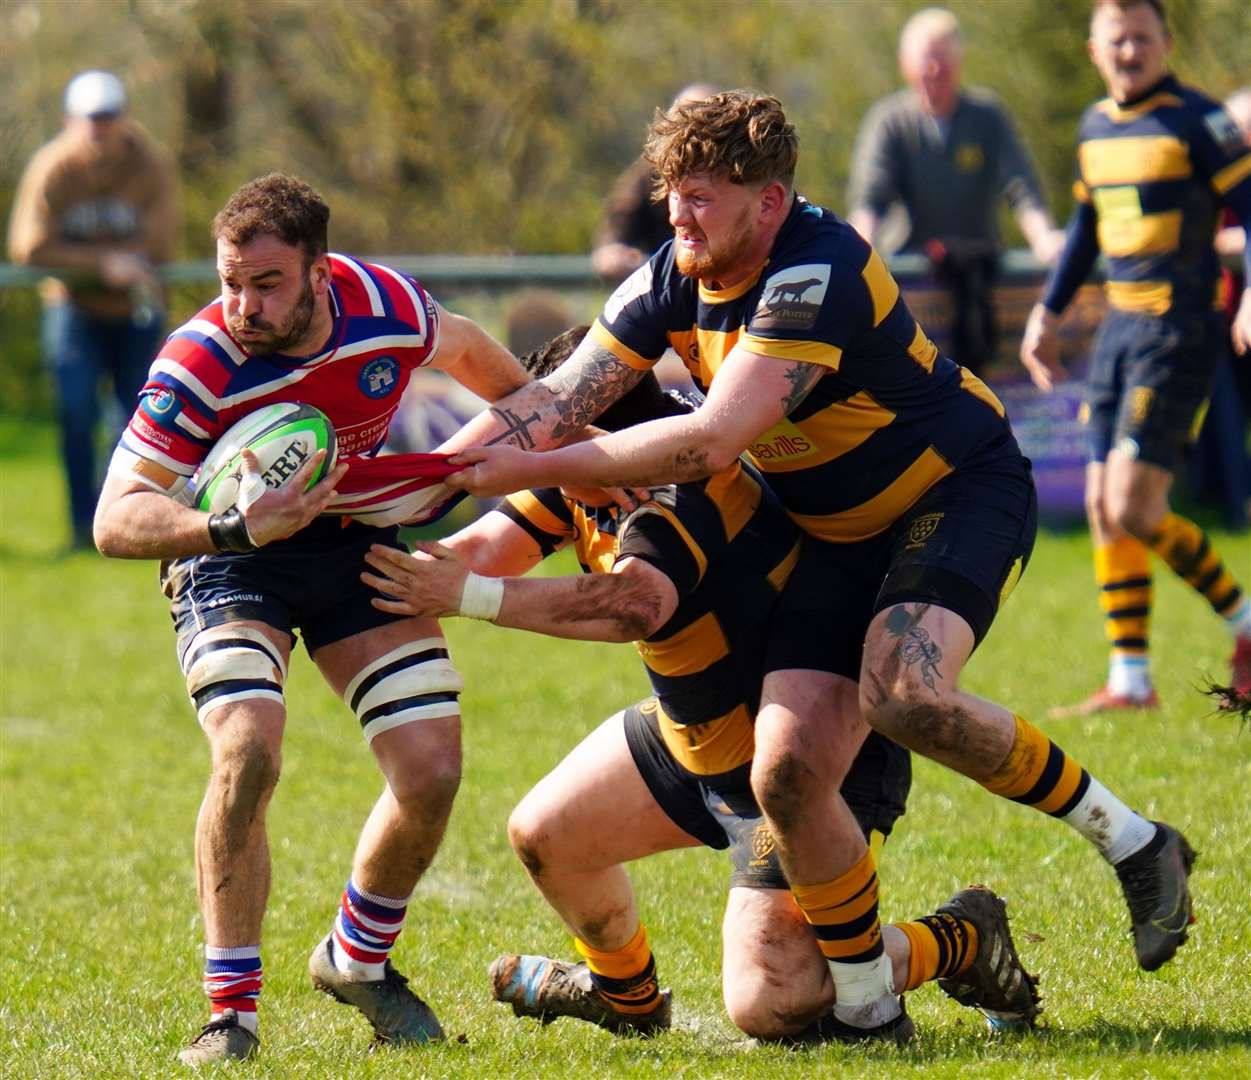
(498, 125)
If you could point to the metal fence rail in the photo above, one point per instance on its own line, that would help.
(476, 271)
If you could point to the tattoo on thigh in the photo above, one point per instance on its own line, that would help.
(915, 644)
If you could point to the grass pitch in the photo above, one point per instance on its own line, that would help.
(102, 768)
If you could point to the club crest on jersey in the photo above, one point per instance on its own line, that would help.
(379, 376)
(791, 298)
(922, 529)
(160, 404)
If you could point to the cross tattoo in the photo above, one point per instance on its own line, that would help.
(516, 426)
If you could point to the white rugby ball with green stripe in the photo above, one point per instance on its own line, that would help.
(283, 437)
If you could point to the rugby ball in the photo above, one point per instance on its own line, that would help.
(282, 437)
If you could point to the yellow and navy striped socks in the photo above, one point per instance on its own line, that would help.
(1038, 773)
(1190, 555)
(843, 915)
(940, 946)
(1123, 572)
(626, 977)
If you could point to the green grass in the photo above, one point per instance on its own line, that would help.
(103, 767)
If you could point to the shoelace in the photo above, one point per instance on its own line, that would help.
(1141, 884)
(224, 1023)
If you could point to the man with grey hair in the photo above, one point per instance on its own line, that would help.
(948, 156)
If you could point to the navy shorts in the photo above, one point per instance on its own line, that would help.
(962, 546)
(310, 581)
(1150, 377)
(721, 812)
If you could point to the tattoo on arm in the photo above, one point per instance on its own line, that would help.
(690, 463)
(590, 381)
(516, 429)
(802, 377)
(915, 644)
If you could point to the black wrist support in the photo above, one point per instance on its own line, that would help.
(229, 532)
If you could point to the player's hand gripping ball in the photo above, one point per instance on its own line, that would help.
(283, 437)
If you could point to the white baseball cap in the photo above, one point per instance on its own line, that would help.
(95, 93)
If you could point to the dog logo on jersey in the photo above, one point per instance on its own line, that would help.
(379, 376)
(637, 284)
(761, 844)
(791, 298)
(922, 529)
(1140, 404)
(1225, 131)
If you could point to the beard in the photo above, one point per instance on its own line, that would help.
(274, 339)
(717, 260)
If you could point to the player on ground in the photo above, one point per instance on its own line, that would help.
(295, 323)
(901, 469)
(1155, 159)
(692, 577)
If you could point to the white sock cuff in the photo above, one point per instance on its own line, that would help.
(862, 984)
(378, 898)
(238, 952)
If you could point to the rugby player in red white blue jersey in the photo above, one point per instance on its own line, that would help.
(295, 323)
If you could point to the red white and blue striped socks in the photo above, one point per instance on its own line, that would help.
(232, 980)
(365, 930)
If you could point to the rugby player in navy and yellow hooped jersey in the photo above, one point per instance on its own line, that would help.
(1156, 159)
(917, 505)
(692, 575)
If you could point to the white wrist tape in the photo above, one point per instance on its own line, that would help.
(482, 597)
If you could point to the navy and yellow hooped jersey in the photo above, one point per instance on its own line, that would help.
(890, 417)
(1152, 176)
(728, 547)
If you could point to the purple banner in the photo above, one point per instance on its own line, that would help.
(1047, 426)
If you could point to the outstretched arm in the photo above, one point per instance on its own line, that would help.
(547, 412)
(628, 604)
(749, 395)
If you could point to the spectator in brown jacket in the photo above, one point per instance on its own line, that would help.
(96, 207)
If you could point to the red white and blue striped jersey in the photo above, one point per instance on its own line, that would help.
(203, 380)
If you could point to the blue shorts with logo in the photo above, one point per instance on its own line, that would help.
(310, 582)
(962, 546)
(1150, 377)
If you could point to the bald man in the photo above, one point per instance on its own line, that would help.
(948, 156)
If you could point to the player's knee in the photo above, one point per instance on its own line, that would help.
(893, 703)
(1137, 517)
(428, 782)
(1096, 510)
(768, 1009)
(529, 834)
(245, 771)
(921, 719)
(227, 667)
(783, 782)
